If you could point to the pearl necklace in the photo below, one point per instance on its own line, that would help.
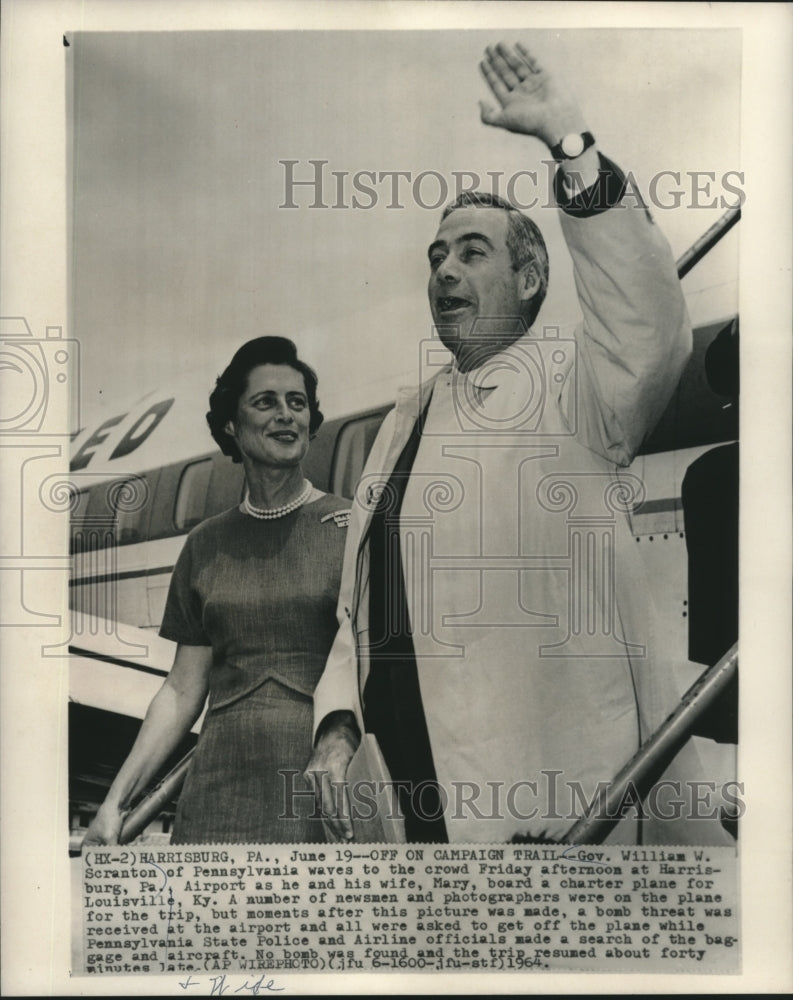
(270, 513)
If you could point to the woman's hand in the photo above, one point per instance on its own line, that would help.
(105, 827)
(172, 712)
(327, 772)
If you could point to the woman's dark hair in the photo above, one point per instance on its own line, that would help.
(232, 383)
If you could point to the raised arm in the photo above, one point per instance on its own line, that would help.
(169, 718)
(534, 102)
(636, 336)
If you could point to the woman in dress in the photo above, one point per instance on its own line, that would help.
(252, 607)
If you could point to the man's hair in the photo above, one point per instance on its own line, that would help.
(230, 386)
(524, 240)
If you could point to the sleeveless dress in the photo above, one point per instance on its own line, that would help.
(263, 595)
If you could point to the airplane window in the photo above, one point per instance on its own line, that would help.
(129, 499)
(113, 514)
(191, 494)
(352, 448)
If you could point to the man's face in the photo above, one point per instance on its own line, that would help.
(476, 297)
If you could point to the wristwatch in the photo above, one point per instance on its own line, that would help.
(572, 145)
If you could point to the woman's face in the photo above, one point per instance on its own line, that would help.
(271, 427)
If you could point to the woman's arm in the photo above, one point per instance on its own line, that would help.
(171, 714)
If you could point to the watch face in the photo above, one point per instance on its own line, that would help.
(573, 145)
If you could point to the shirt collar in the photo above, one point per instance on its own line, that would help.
(497, 369)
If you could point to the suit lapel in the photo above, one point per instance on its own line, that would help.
(409, 401)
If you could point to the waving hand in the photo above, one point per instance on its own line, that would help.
(531, 100)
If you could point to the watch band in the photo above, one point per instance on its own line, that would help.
(571, 146)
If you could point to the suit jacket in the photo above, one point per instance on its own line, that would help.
(538, 661)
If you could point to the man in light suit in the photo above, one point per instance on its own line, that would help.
(495, 634)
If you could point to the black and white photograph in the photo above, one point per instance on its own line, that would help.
(376, 538)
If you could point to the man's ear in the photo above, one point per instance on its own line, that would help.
(529, 278)
(230, 429)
